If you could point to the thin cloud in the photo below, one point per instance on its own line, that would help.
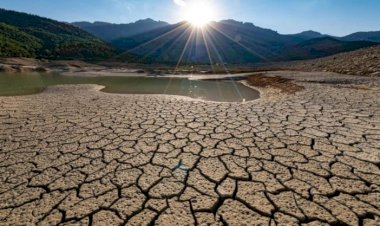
(180, 2)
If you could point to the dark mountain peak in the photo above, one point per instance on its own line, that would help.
(373, 36)
(311, 33)
(323, 39)
(110, 31)
(81, 22)
(308, 32)
(359, 33)
(230, 21)
(237, 23)
(306, 35)
(101, 23)
(147, 20)
(86, 24)
(246, 26)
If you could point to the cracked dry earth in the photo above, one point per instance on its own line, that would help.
(75, 156)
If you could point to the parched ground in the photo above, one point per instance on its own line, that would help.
(75, 156)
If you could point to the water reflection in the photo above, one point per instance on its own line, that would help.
(220, 91)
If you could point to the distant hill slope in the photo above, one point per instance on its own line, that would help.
(242, 33)
(373, 36)
(309, 34)
(24, 35)
(321, 47)
(149, 41)
(231, 42)
(364, 61)
(109, 32)
(228, 41)
(181, 41)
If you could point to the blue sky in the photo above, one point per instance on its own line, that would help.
(336, 17)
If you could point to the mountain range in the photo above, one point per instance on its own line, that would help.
(226, 41)
(109, 31)
(149, 41)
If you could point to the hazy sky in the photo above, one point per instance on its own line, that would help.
(336, 17)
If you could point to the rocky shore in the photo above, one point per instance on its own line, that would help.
(18, 65)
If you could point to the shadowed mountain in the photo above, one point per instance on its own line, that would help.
(182, 42)
(109, 31)
(321, 47)
(25, 35)
(372, 36)
(307, 35)
(230, 41)
(224, 42)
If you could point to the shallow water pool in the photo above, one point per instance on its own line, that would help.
(219, 91)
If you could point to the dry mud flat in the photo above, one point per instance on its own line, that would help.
(75, 156)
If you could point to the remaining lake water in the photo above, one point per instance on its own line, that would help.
(219, 91)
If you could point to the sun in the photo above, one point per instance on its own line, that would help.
(199, 13)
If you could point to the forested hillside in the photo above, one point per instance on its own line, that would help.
(24, 35)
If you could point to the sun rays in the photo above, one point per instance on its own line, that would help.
(191, 42)
(199, 13)
(198, 40)
(187, 44)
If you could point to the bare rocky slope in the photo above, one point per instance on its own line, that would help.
(360, 62)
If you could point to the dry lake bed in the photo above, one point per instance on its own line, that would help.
(73, 155)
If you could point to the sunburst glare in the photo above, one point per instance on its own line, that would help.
(199, 12)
